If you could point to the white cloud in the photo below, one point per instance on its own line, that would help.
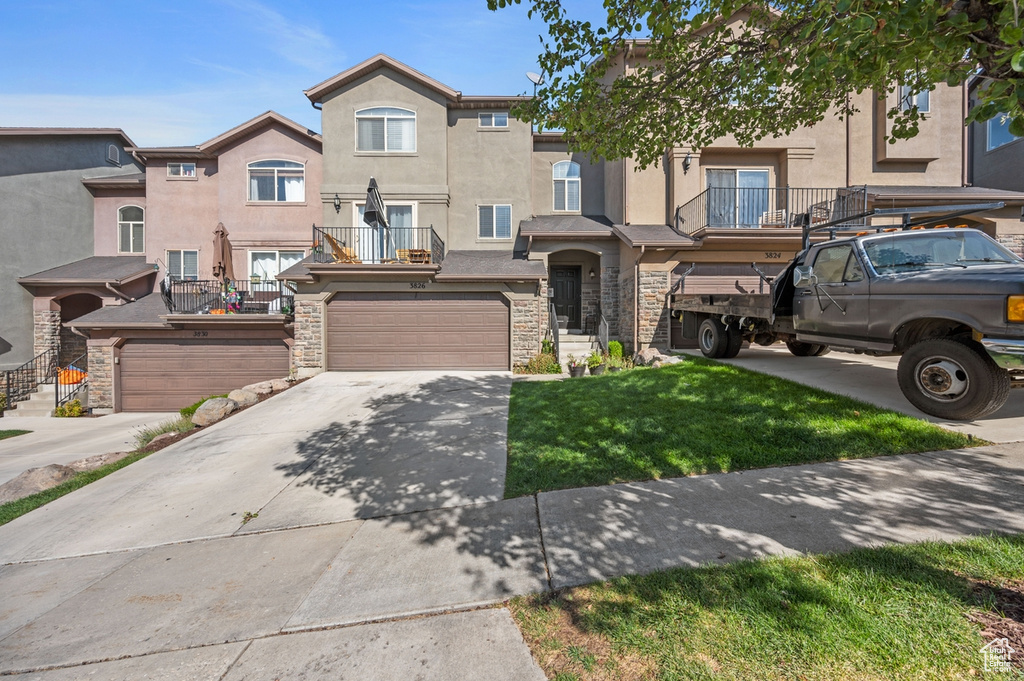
(299, 43)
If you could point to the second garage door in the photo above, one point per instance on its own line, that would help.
(165, 375)
(391, 331)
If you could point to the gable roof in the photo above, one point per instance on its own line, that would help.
(209, 148)
(380, 61)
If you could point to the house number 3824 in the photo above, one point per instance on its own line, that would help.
(772, 255)
(417, 284)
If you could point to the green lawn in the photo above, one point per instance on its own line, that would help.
(696, 417)
(901, 612)
(4, 434)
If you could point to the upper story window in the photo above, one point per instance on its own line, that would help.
(566, 176)
(266, 265)
(493, 120)
(998, 132)
(183, 265)
(131, 230)
(277, 181)
(386, 129)
(181, 170)
(910, 99)
(494, 221)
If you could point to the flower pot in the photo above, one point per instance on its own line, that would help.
(598, 370)
(577, 372)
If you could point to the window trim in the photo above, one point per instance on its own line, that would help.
(131, 238)
(988, 134)
(180, 175)
(277, 252)
(493, 125)
(578, 180)
(358, 221)
(413, 115)
(274, 202)
(182, 251)
(494, 225)
(907, 101)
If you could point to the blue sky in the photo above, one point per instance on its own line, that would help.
(179, 73)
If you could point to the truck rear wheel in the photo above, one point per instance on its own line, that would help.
(952, 379)
(801, 349)
(718, 341)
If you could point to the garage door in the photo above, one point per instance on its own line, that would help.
(388, 331)
(164, 375)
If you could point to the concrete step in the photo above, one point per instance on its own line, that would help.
(39, 403)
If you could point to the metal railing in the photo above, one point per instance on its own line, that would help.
(553, 330)
(242, 296)
(771, 207)
(376, 246)
(68, 384)
(20, 383)
(602, 335)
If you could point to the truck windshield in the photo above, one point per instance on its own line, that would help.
(905, 251)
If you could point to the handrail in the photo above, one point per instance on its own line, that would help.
(771, 207)
(368, 245)
(65, 392)
(242, 296)
(553, 329)
(602, 335)
(21, 382)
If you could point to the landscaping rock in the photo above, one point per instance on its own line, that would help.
(213, 410)
(657, 364)
(261, 388)
(674, 359)
(279, 384)
(91, 463)
(162, 438)
(648, 357)
(243, 397)
(35, 480)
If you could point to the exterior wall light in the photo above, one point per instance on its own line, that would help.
(337, 203)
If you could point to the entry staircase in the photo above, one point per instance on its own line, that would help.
(576, 343)
(36, 388)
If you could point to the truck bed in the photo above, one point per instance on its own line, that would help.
(736, 304)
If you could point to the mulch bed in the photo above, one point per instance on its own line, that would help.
(1006, 618)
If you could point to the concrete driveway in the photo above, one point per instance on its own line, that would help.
(873, 380)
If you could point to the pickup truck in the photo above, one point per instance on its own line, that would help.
(950, 302)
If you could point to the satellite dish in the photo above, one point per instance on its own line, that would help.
(535, 78)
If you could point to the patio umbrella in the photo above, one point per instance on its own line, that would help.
(376, 214)
(223, 268)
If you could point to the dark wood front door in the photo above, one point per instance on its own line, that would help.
(567, 294)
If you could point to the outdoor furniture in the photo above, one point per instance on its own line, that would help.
(419, 256)
(774, 218)
(341, 253)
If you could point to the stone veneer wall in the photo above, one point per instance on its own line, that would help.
(307, 351)
(72, 346)
(527, 327)
(590, 303)
(101, 377)
(654, 314)
(610, 304)
(626, 313)
(1014, 242)
(46, 326)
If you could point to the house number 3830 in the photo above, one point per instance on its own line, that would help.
(417, 284)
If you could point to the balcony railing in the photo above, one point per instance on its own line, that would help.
(377, 246)
(242, 296)
(771, 207)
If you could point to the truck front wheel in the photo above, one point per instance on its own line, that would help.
(952, 379)
(801, 349)
(718, 341)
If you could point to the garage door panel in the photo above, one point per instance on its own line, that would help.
(417, 331)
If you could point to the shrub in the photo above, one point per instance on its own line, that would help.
(614, 349)
(189, 411)
(179, 425)
(547, 347)
(70, 410)
(543, 363)
(3, 401)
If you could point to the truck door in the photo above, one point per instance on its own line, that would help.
(834, 304)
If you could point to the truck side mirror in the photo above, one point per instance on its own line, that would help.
(803, 276)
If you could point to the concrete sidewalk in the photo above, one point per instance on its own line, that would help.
(382, 540)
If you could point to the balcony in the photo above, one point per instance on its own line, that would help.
(377, 246)
(213, 297)
(771, 208)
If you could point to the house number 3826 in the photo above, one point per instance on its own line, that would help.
(417, 284)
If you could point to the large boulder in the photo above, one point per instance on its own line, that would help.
(648, 357)
(35, 480)
(261, 388)
(213, 410)
(243, 397)
(279, 384)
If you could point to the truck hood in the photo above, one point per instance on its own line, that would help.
(996, 279)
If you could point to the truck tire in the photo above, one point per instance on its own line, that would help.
(801, 349)
(952, 379)
(718, 341)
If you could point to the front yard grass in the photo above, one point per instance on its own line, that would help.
(4, 434)
(696, 417)
(901, 612)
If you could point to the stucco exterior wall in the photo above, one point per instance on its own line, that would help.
(592, 182)
(1000, 168)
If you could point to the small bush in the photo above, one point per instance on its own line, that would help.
(72, 409)
(3, 401)
(614, 349)
(189, 411)
(179, 425)
(542, 363)
(547, 347)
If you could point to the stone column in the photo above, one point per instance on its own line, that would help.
(653, 312)
(101, 376)
(610, 305)
(46, 330)
(526, 328)
(1013, 242)
(626, 321)
(308, 349)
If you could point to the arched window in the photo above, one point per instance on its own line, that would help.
(386, 129)
(277, 181)
(131, 230)
(566, 176)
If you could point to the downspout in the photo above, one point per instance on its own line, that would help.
(965, 149)
(122, 296)
(636, 300)
(75, 331)
(849, 145)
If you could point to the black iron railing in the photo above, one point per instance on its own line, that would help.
(602, 335)
(552, 333)
(241, 296)
(376, 246)
(71, 380)
(770, 207)
(20, 383)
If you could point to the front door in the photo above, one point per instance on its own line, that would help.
(567, 294)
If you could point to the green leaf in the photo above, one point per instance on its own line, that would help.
(1011, 34)
(1017, 62)
(843, 6)
(1016, 126)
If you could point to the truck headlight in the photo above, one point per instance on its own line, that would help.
(1015, 309)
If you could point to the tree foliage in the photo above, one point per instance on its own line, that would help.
(695, 77)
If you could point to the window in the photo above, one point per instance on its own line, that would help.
(268, 264)
(385, 129)
(837, 264)
(181, 170)
(113, 155)
(183, 265)
(495, 221)
(566, 176)
(910, 99)
(737, 197)
(999, 132)
(494, 120)
(277, 181)
(131, 230)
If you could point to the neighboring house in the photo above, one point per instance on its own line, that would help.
(47, 222)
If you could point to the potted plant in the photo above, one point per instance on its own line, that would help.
(614, 363)
(576, 366)
(596, 363)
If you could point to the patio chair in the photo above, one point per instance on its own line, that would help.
(774, 218)
(341, 253)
